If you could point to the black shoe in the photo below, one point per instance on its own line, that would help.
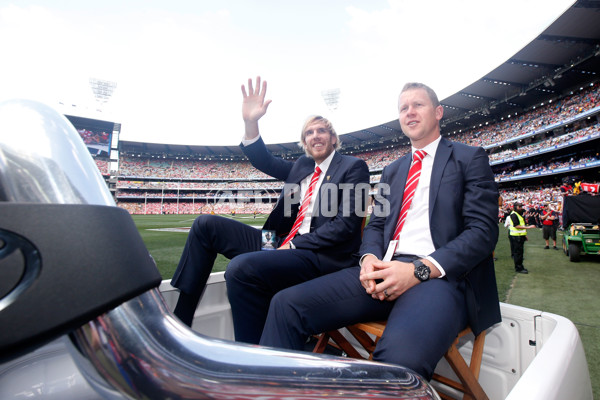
(522, 271)
(555, 248)
(547, 247)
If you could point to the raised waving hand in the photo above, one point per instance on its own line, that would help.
(254, 105)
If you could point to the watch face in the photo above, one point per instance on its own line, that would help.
(421, 271)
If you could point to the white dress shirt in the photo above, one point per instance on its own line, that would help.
(305, 227)
(415, 237)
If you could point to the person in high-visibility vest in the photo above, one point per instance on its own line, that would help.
(517, 232)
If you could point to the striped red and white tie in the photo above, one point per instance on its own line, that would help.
(303, 206)
(409, 189)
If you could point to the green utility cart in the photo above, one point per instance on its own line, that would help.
(581, 224)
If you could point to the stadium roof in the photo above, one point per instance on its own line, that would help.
(563, 58)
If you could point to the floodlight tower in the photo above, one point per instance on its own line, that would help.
(103, 90)
(331, 98)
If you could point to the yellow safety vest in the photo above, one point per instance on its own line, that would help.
(512, 231)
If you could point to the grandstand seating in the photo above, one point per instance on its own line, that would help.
(535, 149)
(103, 166)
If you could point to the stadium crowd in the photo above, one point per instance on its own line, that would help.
(187, 169)
(545, 145)
(103, 166)
(169, 179)
(202, 185)
(549, 166)
(183, 207)
(534, 120)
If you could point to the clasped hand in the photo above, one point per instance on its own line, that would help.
(386, 277)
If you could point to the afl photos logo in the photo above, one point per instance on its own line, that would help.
(20, 266)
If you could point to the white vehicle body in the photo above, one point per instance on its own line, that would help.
(529, 355)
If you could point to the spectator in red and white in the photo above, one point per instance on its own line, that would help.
(549, 226)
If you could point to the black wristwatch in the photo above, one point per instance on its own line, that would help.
(422, 271)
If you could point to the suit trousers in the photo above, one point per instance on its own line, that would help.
(253, 275)
(254, 278)
(211, 235)
(421, 324)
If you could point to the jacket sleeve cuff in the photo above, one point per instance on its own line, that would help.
(248, 142)
(437, 265)
(363, 256)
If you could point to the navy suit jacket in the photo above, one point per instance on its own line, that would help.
(463, 219)
(334, 233)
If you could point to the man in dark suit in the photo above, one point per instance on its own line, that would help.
(430, 273)
(325, 238)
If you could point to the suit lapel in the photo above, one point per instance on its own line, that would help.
(277, 221)
(306, 166)
(397, 184)
(442, 155)
(330, 176)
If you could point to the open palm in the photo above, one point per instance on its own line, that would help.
(254, 105)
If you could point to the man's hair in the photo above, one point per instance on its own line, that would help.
(328, 125)
(430, 93)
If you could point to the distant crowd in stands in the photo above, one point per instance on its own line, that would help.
(227, 170)
(232, 175)
(172, 207)
(251, 195)
(225, 185)
(103, 167)
(212, 189)
(535, 199)
(377, 159)
(545, 144)
(548, 166)
(489, 135)
(533, 120)
(187, 169)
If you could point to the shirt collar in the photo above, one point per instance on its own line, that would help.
(325, 164)
(430, 149)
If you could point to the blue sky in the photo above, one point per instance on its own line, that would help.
(179, 65)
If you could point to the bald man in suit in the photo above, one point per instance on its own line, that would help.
(429, 279)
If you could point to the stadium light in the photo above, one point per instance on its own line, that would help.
(103, 90)
(331, 98)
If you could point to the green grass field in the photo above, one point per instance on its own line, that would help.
(553, 284)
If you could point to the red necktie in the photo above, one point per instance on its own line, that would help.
(304, 206)
(409, 189)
